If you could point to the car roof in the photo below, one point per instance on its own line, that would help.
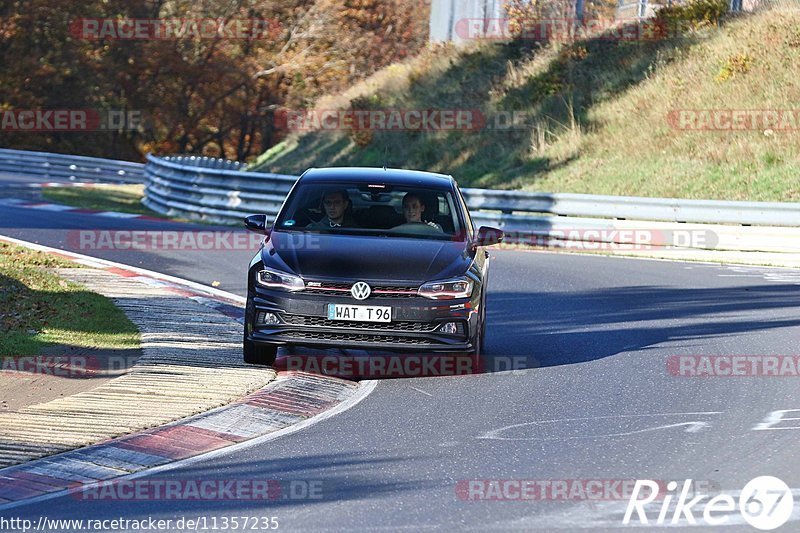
(394, 176)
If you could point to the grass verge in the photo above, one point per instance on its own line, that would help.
(116, 198)
(38, 309)
(101, 197)
(597, 115)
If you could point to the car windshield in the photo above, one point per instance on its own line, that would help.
(375, 209)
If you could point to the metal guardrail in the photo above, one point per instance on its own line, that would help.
(637, 208)
(211, 189)
(215, 191)
(218, 185)
(73, 167)
(219, 191)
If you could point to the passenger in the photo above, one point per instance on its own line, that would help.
(413, 207)
(338, 211)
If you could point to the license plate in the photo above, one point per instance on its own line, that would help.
(359, 313)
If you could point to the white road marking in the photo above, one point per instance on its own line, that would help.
(692, 426)
(776, 417)
(114, 214)
(53, 207)
(777, 274)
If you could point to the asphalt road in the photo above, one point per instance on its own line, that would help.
(591, 398)
(63, 230)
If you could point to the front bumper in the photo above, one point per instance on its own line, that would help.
(304, 322)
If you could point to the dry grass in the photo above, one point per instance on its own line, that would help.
(597, 114)
(38, 309)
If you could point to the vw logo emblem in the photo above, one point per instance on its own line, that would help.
(360, 291)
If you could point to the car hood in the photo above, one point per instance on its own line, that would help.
(325, 256)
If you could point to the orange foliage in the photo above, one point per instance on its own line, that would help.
(195, 95)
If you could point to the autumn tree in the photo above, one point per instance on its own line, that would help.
(197, 94)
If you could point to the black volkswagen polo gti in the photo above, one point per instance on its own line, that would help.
(369, 259)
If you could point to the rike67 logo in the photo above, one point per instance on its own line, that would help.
(765, 503)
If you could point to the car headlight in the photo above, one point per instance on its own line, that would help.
(447, 289)
(275, 279)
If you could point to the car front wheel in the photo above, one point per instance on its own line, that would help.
(259, 354)
(475, 353)
(483, 333)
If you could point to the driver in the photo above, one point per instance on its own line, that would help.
(338, 209)
(413, 207)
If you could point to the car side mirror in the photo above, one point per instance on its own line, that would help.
(257, 223)
(487, 236)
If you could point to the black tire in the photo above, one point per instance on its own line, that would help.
(478, 349)
(259, 354)
(482, 340)
(483, 332)
(475, 353)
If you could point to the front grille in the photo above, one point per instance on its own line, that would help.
(358, 337)
(318, 321)
(378, 291)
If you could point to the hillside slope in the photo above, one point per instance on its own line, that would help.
(602, 116)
